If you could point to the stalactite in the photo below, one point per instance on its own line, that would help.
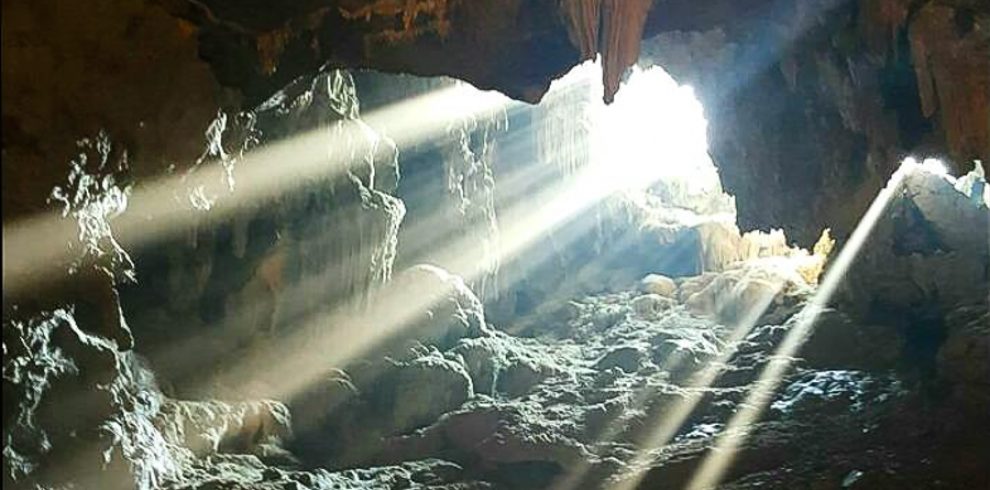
(612, 28)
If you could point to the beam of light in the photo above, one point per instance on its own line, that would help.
(673, 418)
(184, 353)
(35, 250)
(418, 242)
(336, 339)
(717, 462)
(188, 354)
(339, 337)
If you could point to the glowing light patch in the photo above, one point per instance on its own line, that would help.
(935, 166)
(655, 129)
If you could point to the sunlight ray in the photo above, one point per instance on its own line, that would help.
(717, 462)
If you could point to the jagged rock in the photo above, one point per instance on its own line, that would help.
(964, 356)
(345, 424)
(830, 392)
(237, 472)
(254, 273)
(210, 427)
(628, 359)
(924, 272)
(837, 342)
(80, 410)
(418, 392)
(757, 287)
(942, 37)
(450, 311)
(649, 306)
(501, 364)
(682, 353)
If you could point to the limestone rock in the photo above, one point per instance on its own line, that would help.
(627, 358)
(450, 310)
(753, 288)
(964, 357)
(501, 364)
(836, 342)
(649, 306)
(659, 284)
(414, 394)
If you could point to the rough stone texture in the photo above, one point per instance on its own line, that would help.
(125, 67)
(658, 284)
(245, 277)
(925, 273)
(576, 402)
(861, 76)
(870, 80)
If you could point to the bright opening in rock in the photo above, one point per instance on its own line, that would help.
(649, 144)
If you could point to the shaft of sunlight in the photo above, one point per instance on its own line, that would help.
(666, 426)
(671, 422)
(35, 249)
(344, 334)
(717, 462)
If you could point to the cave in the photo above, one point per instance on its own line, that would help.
(496, 244)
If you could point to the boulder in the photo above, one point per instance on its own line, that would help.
(444, 309)
(659, 284)
(626, 358)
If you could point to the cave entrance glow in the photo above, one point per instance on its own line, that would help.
(653, 136)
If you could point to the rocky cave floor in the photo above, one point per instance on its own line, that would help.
(574, 392)
(505, 411)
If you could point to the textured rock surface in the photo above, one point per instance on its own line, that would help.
(244, 278)
(575, 403)
(925, 272)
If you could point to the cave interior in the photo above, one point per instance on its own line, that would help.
(496, 244)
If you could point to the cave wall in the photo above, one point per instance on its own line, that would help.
(234, 282)
(126, 67)
(812, 105)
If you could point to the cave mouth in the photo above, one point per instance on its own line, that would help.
(653, 134)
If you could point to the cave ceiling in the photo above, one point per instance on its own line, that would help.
(810, 103)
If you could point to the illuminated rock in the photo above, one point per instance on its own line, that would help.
(658, 284)
(649, 306)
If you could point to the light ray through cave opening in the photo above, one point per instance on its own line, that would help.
(608, 172)
(717, 462)
(32, 250)
(627, 151)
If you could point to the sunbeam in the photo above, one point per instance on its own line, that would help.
(33, 250)
(717, 462)
(346, 333)
(668, 423)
